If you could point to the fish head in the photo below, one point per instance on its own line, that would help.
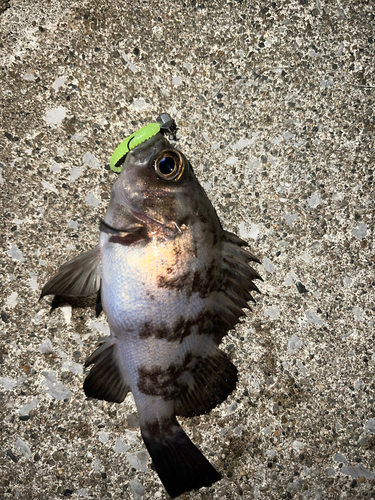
(156, 186)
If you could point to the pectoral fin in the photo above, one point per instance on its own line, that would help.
(79, 277)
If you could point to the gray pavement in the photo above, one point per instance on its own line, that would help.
(275, 104)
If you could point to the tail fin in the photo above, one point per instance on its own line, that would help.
(179, 463)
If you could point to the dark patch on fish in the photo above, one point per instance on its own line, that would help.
(158, 381)
(175, 283)
(212, 379)
(203, 282)
(162, 426)
(175, 332)
(148, 330)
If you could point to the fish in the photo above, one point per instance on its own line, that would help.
(172, 282)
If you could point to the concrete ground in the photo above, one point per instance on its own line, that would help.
(275, 107)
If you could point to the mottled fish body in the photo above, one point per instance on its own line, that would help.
(172, 283)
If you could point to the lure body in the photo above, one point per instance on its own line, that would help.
(131, 142)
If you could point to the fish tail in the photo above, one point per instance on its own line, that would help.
(178, 462)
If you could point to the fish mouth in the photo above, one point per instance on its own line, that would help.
(139, 214)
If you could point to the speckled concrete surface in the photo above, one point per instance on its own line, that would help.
(275, 104)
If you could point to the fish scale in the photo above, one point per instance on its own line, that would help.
(172, 283)
(137, 295)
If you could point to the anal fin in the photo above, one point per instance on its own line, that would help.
(105, 380)
(212, 380)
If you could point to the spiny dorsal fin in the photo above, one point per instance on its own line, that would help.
(236, 282)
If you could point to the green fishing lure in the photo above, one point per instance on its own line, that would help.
(164, 124)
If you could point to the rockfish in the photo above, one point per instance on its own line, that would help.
(172, 282)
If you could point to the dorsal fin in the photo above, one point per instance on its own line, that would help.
(236, 283)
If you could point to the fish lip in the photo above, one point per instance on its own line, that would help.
(138, 213)
(145, 218)
(153, 222)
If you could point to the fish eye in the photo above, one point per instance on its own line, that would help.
(169, 165)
